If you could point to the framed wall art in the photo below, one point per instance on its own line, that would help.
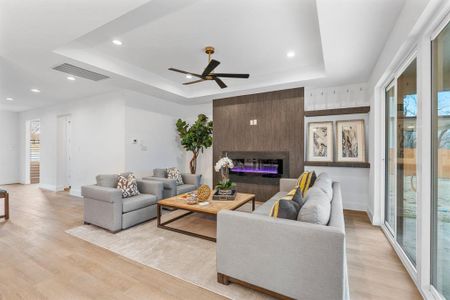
(320, 141)
(350, 141)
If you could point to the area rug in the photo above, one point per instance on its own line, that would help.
(188, 258)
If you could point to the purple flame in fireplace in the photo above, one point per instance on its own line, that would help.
(256, 169)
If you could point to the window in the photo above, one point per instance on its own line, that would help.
(440, 234)
(406, 160)
(400, 168)
(391, 121)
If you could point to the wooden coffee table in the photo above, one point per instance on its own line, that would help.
(212, 208)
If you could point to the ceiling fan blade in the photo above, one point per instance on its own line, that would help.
(192, 82)
(184, 72)
(210, 67)
(230, 75)
(220, 83)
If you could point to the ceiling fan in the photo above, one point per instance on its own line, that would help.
(207, 73)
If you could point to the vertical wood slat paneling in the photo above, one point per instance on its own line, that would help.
(280, 116)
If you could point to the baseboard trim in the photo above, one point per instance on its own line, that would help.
(75, 193)
(355, 206)
(48, 187)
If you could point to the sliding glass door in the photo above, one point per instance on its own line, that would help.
(390, 184)
(400, 196)
(440, 233)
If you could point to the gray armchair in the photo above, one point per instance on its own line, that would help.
(191, 182)
(105, 207)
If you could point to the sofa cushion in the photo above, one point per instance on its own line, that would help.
(138, 202)
(128, 186)
(265, 208)
(325, 183)
(107, 180)
(185, 188)
(317, 207)
(162, 173)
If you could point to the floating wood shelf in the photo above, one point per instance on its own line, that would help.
(338, 111)
(338, 164)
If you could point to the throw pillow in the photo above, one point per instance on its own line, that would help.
(128, 186)
(174, 173)
(317, 208)
(288, 207)
(305, 181)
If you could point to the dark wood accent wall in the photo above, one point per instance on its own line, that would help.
(280, 127)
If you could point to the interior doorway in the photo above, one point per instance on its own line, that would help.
(35, 151)
(64, 153)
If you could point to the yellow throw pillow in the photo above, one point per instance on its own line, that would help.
(305, 181)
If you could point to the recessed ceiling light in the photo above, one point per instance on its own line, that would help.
(9, 99)
(290, 54)
(117, 42)
(188, 76)
(71, 78)
(35, 90)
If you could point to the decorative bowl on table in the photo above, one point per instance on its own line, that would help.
(191, 200)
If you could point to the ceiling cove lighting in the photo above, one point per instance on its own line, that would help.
(117, 42)
(9, 99)
(35, 90)
(290, 54)
(71, 78)
(188, 76)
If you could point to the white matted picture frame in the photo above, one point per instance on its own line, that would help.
(320, 141)
(350, 141)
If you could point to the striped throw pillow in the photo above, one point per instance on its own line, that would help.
(305, 181)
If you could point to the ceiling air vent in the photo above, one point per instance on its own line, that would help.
(80, 72)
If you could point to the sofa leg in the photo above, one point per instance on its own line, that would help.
(223, 279)
(86, 223)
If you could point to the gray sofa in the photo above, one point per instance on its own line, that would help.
(191, 182)
(105, 207)
(287, 257)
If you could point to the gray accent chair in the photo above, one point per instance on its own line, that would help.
(191, 182)
(105, 207)
(284, 257)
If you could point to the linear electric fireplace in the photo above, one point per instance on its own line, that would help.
(259, 167)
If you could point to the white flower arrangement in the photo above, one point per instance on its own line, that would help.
(224, 162)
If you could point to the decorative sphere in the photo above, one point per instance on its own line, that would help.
(203, 192)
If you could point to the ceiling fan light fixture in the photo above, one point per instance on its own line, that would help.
(208, 72)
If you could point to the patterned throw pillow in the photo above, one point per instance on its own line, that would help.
(174, 173)
(128, 186)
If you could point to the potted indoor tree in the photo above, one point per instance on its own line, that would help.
(196, 137)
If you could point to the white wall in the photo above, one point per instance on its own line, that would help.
(152, 122)
(97, 139)
(9, 157)
(354, 181)
(157, 143)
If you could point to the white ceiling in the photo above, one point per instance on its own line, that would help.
(335, 41)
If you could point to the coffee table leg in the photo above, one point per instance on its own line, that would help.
(158, 214)
(253, 204)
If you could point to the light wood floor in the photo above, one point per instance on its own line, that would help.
(38, 260)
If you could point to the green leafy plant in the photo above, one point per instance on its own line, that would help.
(196, 137)
(225, 185)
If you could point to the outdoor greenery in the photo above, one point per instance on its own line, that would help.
(196, 137)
